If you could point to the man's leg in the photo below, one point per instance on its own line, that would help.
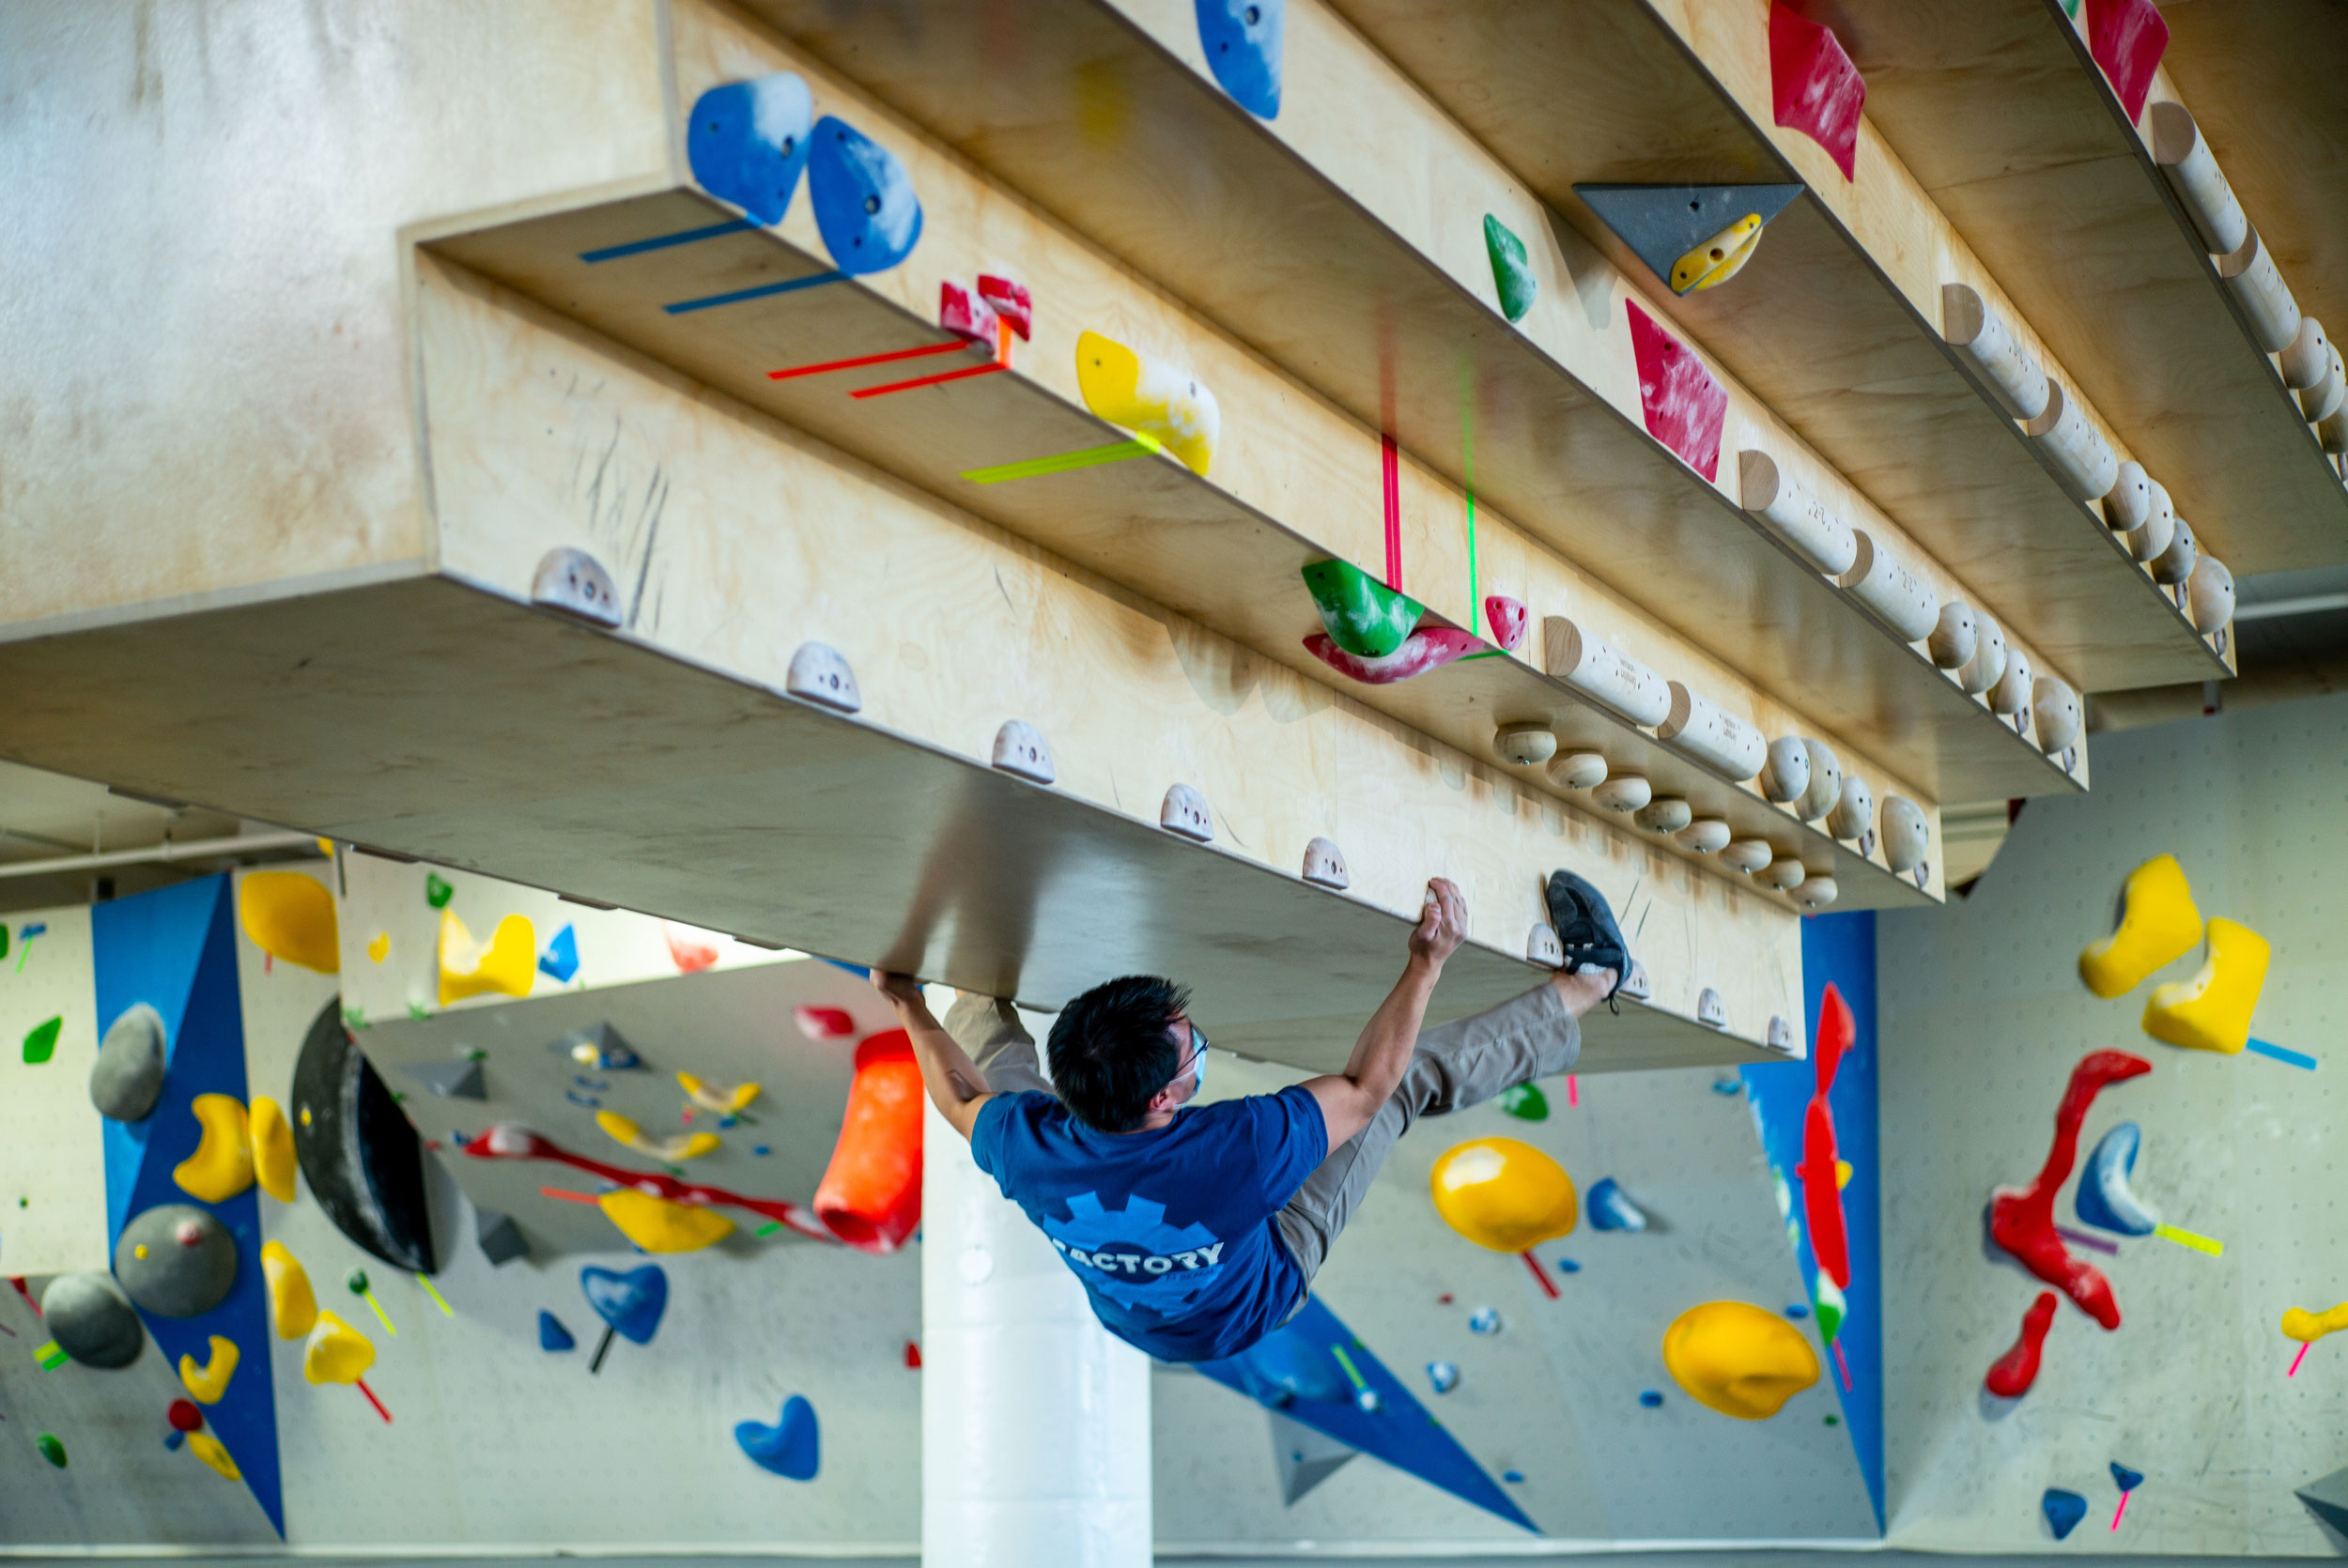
(989, 1029)
(1455, 1065)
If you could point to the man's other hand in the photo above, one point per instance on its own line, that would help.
(900, 989)
(1442, 923)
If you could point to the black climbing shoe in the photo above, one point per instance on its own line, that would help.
(1587, 930)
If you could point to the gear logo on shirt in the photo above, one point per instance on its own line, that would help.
(1132, 1256)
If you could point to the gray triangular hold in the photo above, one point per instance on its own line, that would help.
(502, 1241)
(1662, 223)
(451, 1080)
(2327, 1500)
(1306, 1457)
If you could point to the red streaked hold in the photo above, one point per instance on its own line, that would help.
(2128, 39)
(1814, 89)
(960, 310)
(1684, 407)
(2011, 1373)
(824, 1023)
(913, 1355)
(1507, 618)
(1821, 1186)
(1012, 301)
(1429, 648)
(2021, 1220)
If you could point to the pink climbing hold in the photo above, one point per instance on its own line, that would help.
(824, 1023)
(1429, 648)
(1814, 89)
(1683, 405)
(2010, 1375)
(1012, 302)
(2021, 1220)
(961, 311)
(1505, 617)
(2128, 39)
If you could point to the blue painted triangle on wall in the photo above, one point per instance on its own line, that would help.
(176, 950)
(1283, 1371)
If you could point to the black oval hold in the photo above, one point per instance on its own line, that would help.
(361, 1158)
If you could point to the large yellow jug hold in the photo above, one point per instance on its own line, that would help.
(1165, 403)
(1503, 1194)
(335, 1352)
(291, 916)
(1739, 1359)
(507, 964)
(2157, 926)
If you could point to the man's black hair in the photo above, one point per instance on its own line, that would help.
(1113, 1049)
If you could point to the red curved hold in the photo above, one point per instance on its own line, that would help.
(2128, 39)
(1429, 648)
(1814, 89)
(2021, 1220)
(1683, 405)
(1507, 618)
(2011, 1373)
(1821, 1184)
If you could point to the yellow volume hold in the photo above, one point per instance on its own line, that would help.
(2159, 925)
(659, 1226)
(222, 1165)
(293, 1308)
(335, 1352)
(1719, 258)
(273, 1160)
(206, 1384)
(1738, 1359)
(2308, 1326)
(507, 964)
(1503, 1194)
(2212, 1010)
(1151, 396)
(207, 1448)
(291, 916)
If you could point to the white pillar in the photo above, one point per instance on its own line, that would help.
(1035, 1422)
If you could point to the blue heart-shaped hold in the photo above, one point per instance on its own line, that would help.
(553, 1336)
(791, 1448)
(631, 1302)
(747, 142)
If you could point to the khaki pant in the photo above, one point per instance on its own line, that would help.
(1453, 1065)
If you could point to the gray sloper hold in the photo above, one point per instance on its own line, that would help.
(450, 1080)
(127, 1076)
(91, 1320)
(500, 1239)
(2326, 1497)
(176, 1260)
(1306, 1456)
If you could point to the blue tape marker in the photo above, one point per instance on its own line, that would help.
(661, 242)
(761, 292)
(2294, 1059)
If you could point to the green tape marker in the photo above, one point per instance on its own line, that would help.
(52, 1355)
(1347, 1361)
(1090, 457)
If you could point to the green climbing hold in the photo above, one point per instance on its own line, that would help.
(356, 1281)
(418, 1011)
(1512, 273)
(51, 1448)
(354, 1018)
(1833, 1422)
(42, 1043)
(1364, 616)
(1828, 1302)
(435, 892)
(1525, 1103)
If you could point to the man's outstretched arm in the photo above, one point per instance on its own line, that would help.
(1349, 1100)
(955, 1082)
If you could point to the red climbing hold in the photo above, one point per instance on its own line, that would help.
(824, 1023)
(1429, 648)
(2021, 1220)
(1814, 89)
(2011, 1373)
(913, 1355)
(1821, 1182)
(2128, 39)
(1012, 301)
(1684, 407)
(185, 1417)
(1507, 618)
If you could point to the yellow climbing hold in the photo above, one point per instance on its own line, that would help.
(272, 1148)
(206, 1384)
(207, 1448)
(1739, 1359)
(2212, 1010)
(1503, 1194)
(1148, 395)
(1842, 1175)
(507, 964)
(659, 1226)
(2159, 925)
(1719, 258)
(685, 1147)
(711, 1098)
(337, 1352)
(291, 916)
(2308, 1326)
(222, 1165)
(292, 1308)
(381, 948)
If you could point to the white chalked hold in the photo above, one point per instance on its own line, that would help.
(2209, 595)
(819, 673)
(2309, 358)
(1184, 812)
(1666, 815)
(1907, 834)
(1579, 770)
(1527, 745)
(1816, 893)
(2174, 564)
(1786, 776)
(1019, 748)
(1325, 866)
(2010, 695)
(1784, 875)
(1542, 947)
(1826, 782)
(1854, 812)
(1635, 985)
(574, 584)
(1748, 855)
(1951, 641)
(2130, 500)
(1987, 665)
(1623, 792)
(1780, 1035)
(1706, 836)
(1710, 1010)
(2055, 710)
(2161, 526)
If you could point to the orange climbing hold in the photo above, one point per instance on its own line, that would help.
(871, 1194)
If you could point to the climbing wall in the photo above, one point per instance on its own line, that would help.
(1984, 1016)
(53, 1182)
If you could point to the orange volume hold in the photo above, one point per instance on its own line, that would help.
(871, 1194)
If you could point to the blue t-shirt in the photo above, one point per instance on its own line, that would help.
(1169, 1230)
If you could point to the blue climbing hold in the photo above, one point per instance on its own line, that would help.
(1611, 1209)
(631, 1302)
(2130, 1480)
(1514, 1478)
(2063, 1510)
(1484, 1320)
(173, 1439)
(1445, 1376)
(864, 201)
(791, 1448)
(747, 142)
(2104, 1200)
(561, 959)
(1797, 1311)
(1568, 1266)
(1649, 1398)
(1242, 39)
(553, 1336)
(1727, 1085)
(762, 1151)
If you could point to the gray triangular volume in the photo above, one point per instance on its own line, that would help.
(2327, 1500)
(502, 1241)
(1662, 223)
(452, 1079)
(1306, 1457)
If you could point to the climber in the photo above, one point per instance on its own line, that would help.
(1198, 1229)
